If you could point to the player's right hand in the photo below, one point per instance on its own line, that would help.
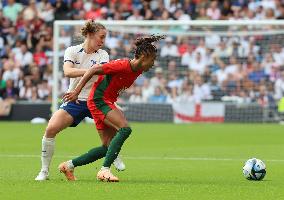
(70, 97)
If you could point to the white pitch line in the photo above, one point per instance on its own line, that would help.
(140, 158)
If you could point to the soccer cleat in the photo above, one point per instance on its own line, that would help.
(118, 163)
(69, 173)
(42, 176)
(106, 175)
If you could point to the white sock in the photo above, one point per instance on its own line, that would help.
(105, 168)
(47, 152)
(70, 164)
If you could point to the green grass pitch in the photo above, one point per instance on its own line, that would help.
(164, 161)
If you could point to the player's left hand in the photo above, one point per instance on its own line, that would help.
(70, 97)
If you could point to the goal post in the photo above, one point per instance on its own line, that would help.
(246, 40)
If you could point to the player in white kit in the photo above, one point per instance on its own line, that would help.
(77, 60)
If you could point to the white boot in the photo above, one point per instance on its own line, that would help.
(118, 163)
(42, 176)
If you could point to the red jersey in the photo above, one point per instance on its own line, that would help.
(118, 77)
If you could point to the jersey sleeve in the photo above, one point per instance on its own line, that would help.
(116, 66)
(104, 58)
(70, 55)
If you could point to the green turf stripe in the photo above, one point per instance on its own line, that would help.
(99, 93)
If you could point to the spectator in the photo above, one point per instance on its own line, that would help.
(135, 15)
(278, 54)
(244, 97)
(44, 91)
(268, 63)
(64, 37)
(159, 10)
(186, 93)
(231, 85)
(222, 51)
(202, 14)
(212, 40)
(40, 57)
(24, 56)
(187, 56)
(10, 72)
(172, 5)
(197, 63)
(112, 40)
(226, 9)
(257, 75)
(137, 96)
(201, 48)
(94, 13)
(215, 88)
(169, 49)
(264, 98)
(281, 14)
(232, 68)
(227, 59)
(259, 13)
(189, 7)
(147, 90)
(279, 87)
(174, 81)
(201, 90)
(30, 12)
(26, 92)
(158, 79)
(172, 67)
(12, 9)
(10, 93)
(181, 16)
(61, 10)
(213, 12)
(158, 96)
(2, 82)
(46, 12)
(148, 14)
(269, 14)
(183, 46)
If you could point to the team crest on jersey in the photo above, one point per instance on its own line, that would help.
(93, 62)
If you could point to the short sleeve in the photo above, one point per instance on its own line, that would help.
(69, 55)
(104, 57)
(116, 66)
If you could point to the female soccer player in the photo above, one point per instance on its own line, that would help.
(77, 60)
(114, 77)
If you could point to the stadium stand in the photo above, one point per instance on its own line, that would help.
(203, 69)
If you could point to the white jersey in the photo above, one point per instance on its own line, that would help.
(82, 60)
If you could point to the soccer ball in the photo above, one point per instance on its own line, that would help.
(254, 169)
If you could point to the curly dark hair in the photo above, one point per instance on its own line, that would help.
(144, 45)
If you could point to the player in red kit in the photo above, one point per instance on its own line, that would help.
(114, 77)
(119, 76)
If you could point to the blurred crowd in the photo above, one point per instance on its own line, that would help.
(209, 68)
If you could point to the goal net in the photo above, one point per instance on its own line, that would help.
(205, 71)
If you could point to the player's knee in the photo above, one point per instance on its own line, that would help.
(123, 124)
(51, 131)
(106, 141)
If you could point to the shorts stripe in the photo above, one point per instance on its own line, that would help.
(99, 93)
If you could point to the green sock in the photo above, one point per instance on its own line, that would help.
(115, 145)
(91, 156)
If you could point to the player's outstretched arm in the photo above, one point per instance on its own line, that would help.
(71, 72)
(73, 95)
